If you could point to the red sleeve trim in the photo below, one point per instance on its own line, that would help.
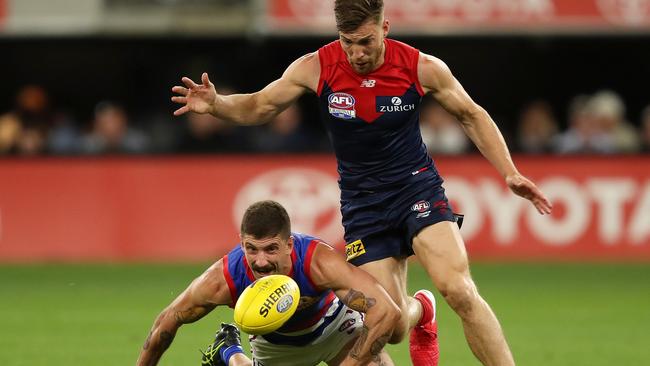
(308, 257)
(418, 86)
(321, 78)
(230, 282)
(294, 260)
(249, 271)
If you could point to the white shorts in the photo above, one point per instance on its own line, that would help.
(345, 327)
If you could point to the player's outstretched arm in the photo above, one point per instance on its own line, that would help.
(250, 109)
(436, 77)
(203, 294)
(359, 291)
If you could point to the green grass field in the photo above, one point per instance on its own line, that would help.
(553, 314)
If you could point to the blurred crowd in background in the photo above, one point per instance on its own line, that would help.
(594, 124)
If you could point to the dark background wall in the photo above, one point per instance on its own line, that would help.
(502, 73)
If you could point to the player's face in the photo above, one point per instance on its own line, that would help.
(364, 47)
(268, 256)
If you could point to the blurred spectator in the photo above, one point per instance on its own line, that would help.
(111, 133)
(645, 129)
(164, 130)
(608, 110)
(284, 134)
(584, 135)
(33, 125)
(208, 134)
(205, 133)
(10, 131)
(441, 132)
(537, 128)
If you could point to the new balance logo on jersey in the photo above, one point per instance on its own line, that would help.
(368, 83)
(393, 104)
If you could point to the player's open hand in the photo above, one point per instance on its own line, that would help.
(197, 98)
(523, 187)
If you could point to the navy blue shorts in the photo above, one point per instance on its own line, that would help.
(382, 224)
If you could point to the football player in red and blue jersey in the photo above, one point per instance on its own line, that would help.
(392, 197)
(344, 317)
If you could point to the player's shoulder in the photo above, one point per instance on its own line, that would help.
(401, 54)
(431, 62)
(306, 240)
(432, 72)
(331, 53)
(305, 70)
(211, 285)
(402, 46)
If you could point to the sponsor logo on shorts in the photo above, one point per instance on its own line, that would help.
(393, 104)
(284, 304)
(341, 105)
(354, 249)
(422, 208)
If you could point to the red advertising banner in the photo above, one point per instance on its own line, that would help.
(3, 11)
(188, 209)
(430, 16)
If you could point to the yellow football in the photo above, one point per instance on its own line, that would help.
(266, 304)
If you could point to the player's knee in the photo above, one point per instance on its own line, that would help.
(461, 295)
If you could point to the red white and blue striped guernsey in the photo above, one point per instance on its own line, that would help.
(317, 308)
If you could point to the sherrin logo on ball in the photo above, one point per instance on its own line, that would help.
(266, 304)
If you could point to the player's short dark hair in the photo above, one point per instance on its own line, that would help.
(266, 219)
(351, 14)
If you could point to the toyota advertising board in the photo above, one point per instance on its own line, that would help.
(190, 208)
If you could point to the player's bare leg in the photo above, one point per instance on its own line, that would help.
(391, 273)
(441, 250)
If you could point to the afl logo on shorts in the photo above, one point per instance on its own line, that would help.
(422, 208)
(341, 105)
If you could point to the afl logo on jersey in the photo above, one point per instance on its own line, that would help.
(341, 105)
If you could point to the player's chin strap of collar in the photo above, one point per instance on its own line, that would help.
(459, 219)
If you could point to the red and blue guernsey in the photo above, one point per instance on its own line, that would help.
(373, 119)
(317, 308)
